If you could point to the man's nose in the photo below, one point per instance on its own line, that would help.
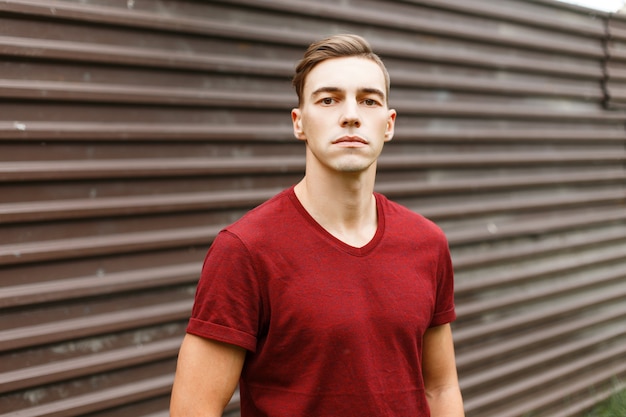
(350, 116)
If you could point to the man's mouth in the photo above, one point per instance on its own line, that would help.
(350, 141)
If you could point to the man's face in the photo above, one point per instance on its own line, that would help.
(344, 117)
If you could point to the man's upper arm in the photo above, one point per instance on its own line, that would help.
(438, 365)
(207, 374)
(439, 371)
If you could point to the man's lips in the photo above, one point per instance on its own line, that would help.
(350, 141)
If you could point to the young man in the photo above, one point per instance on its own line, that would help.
(327, 300)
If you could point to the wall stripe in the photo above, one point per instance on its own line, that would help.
(132, 132)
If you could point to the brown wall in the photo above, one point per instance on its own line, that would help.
(132, 131)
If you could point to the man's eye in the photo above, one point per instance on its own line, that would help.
(369, 102)
(328, 100)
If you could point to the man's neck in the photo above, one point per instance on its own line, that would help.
(344, 206)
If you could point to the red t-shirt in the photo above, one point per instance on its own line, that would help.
(331, 330)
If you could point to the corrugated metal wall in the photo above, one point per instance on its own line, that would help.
(131, 131)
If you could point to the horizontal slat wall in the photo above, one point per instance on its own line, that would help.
(132, 131)
(616, 62)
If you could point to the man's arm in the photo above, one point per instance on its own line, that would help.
(439, 371)
(206, 377)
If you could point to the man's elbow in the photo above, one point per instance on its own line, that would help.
(445, 401)
(443, 390)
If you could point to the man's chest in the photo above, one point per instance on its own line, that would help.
(340, 299)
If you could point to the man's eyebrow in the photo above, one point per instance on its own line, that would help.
(327, 90)
(375, 91)
(366, 90)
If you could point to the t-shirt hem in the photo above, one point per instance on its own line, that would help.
(221, 333)
(444, 317)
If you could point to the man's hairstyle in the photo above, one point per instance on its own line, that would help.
(336, 46)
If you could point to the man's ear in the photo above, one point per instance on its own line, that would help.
(296, 118)
(391, 123)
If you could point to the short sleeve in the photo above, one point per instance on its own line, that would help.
(444, 303)
(227, 305)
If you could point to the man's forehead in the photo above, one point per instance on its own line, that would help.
(345, 73)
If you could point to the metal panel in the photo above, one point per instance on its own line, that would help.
(132, 131)
(616, 62)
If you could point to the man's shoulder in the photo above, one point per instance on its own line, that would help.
(409, 220)
(265, 216)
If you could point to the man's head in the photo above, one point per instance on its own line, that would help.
(337, 46)
(343, 114)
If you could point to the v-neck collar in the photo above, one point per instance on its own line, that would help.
(352, 250)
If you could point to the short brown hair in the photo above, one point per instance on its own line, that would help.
(336, 46)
